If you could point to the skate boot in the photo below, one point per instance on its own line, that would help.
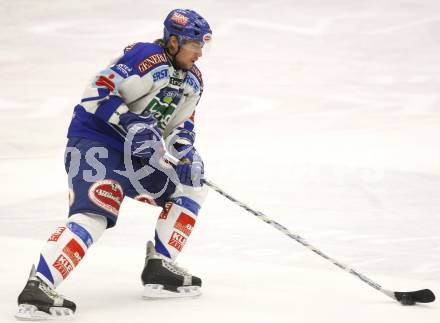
(162, 278)
(39, 301)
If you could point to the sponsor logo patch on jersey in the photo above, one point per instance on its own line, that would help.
(177, 241)
(159, 75)
(74, 251)
(106, 82)
(179, 19)
(185, 223)
(151, 61)
(107, 194)
(191, 81)
(124, 69)
(175, 81)
(177, 78)
(164, 214)
(63, 265)
(195, 70)
(56, 235)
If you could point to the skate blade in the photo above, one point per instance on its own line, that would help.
(155, 291)
(27, 312)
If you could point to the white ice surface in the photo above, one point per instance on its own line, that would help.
(325, 115)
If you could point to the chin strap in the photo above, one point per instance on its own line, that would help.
(172, 58)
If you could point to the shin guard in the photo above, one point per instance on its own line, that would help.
(67, 246)
(175, 225)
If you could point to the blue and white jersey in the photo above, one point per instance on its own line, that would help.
(141, 81)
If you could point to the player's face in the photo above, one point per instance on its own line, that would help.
(188, 54)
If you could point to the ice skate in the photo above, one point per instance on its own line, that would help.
(162, 278)
(38, 301)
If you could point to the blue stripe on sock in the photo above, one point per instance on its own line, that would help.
(187, 203)
(160, 248)
(82, 233)
(43, 269)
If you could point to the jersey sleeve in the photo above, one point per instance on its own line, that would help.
(125, 80)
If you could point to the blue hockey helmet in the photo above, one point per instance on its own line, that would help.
(186, 24)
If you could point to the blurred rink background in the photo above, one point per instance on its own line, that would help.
(325, 115)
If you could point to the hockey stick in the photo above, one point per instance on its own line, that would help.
(405, 298)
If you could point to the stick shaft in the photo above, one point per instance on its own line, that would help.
(299, 239)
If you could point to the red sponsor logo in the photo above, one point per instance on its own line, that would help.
(74, 251)
(108, 195)
(164, 214)
(185, 223)
(207, 37)
(179, 19)
(63, 266)
(106, 81)
(56, 235)
(151, 61)
(145, 199)
(177, 241)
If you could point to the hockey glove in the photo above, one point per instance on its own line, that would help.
(190, 169)
(143, 136)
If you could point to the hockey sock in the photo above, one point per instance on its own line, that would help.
(68, 245)
(175, 225)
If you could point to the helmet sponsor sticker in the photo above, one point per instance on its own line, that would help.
(206, 38)
(179, 19)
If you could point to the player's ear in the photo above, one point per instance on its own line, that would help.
(173, 45)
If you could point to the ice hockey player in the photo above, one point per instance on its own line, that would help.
(133, 114)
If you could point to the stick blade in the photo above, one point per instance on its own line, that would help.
(418, 296)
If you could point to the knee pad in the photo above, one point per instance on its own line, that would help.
(88, 226)
(185, 193)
